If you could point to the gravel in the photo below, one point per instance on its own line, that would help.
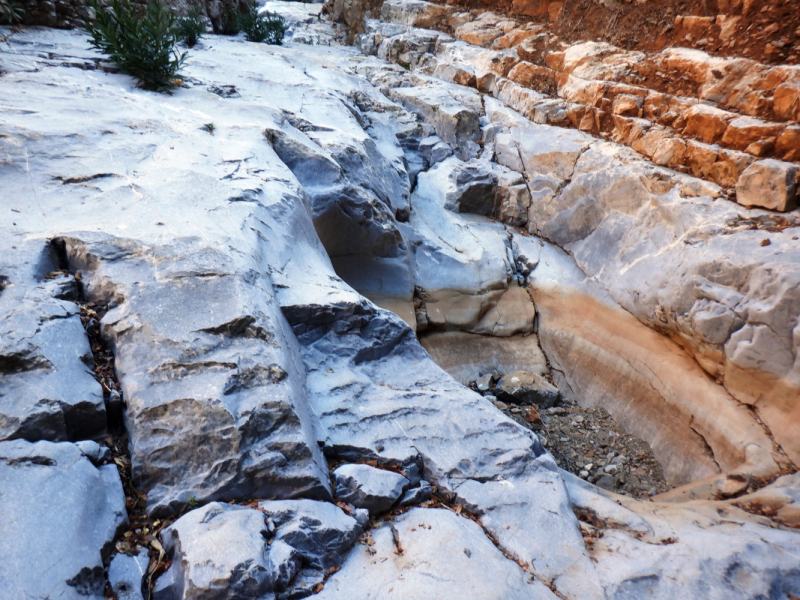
(591, 444)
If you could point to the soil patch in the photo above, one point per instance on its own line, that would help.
(769, 32)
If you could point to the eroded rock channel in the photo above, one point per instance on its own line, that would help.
(254, 364)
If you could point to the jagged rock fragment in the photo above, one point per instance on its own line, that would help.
(367, 487)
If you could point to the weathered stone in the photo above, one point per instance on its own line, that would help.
(431, 553)
(218, 553)
(769, 184)
(417, 495)
(367, 487)
(310, 538)
(61, 515)
(659, 550)
(125, 575)
(46, 391)
(525, 387)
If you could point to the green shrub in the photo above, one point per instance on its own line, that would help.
(191, 27)
(11, 13)
(265, 27)
(230, 21)
(142, 47)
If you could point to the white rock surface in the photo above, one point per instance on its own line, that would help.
(410, 559)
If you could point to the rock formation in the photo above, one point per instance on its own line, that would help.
(295, 301)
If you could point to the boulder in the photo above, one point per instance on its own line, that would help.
(523, 387)
(180, 398)
(367, 487)
(769, 184)
(61, 515)
(309, 538)
(219, 552)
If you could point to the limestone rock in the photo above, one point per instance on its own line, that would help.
(308, 540)
(769, 184)
(218, 553)
(125, 575)
(523, 387)
(46, 391)
(431, 553)
(417, 495)
(665, 551)
(61, 515)
(367, 487)
(463, 354)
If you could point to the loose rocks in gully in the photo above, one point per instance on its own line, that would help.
(432, 300)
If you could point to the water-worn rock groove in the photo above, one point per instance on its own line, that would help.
(298, 295)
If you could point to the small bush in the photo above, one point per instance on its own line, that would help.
(11, 13)
(141, 47)
(230, 21)
(265, 27)
(191, 27)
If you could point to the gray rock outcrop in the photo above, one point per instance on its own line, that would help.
(46, 389)
(61, 515)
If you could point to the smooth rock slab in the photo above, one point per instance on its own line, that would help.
(685, 550)
(367, 487)
(60, 516)
(431, 553)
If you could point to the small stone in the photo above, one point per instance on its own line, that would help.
(765, 242)
(516, 410)
(583, 474)
(607, 482)
(611, 469)
(532, 415)
(367, 487)
(485, 383)
(501, 405)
